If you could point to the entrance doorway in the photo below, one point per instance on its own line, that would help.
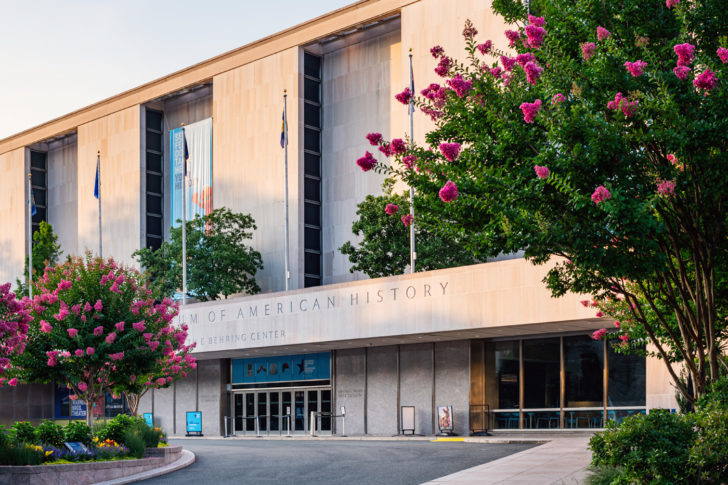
(271, 411)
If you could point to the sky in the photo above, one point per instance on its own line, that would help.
(59, 56)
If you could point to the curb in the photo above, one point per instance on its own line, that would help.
(184, 461)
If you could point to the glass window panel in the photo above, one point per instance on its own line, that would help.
(40, 197)
(312, 115)
(38, 160)
(154, 183)
(299, 411)
(154, 141)
(583, 419)
(238, 412)
(312, 65)
(310, 281)
(502, 376)
(274, 411)
(312, 189)
(312, 239)
(154, 242)
(154, 204)
(154, 224)
(154, 119)
(326, 408)
(541, 373)
(584, 362)
(311, 90)
(312, 165)
(541, 419)
(40, 215)
(627, 383)
(250, 412)
(312, 140)
(619, 415)
(312, 263)
(154, 162)
(312, 214)
(262, 411)
(505, 420)
(38, 178)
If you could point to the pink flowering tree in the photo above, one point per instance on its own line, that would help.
(14, 325)
(95, 327)
(598, 137)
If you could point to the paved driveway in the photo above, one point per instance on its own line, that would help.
(329, 462)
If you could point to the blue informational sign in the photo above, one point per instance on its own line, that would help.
(285, 368)
(194, 422)
(149, 419)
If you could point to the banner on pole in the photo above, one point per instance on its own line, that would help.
(199, 169)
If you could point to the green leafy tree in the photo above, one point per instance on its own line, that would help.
(219, 262)
(46, 252)
(384, 249)
(598, 139)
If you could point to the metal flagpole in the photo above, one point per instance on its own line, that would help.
(184, 221)
(285, 178)
(98, 171)
(30, 236)
(413, 253)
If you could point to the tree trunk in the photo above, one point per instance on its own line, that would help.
(89, 413)
(133, 400)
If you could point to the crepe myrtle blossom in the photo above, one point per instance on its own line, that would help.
(443, 66)
(451, 151)
(460, 85)
(617, 324)
(722, 54)
(367, 162)
(374, 138)
(603, 33)
(666, 187)
(449, 191)
(599, 334)
(685, 54)
(558, 98)
(530, 110)
(513, 37)
(587, 50)
(629, 108)
(535, 35)
(408, 160)
(398, 146)
(405, 96)
(495, 71)
(407, 219)
(671, 3)
(485, 47)
(636, 68)
(533, 72)
(599, 314)
(72, 332)
(391, 209)
(437, 51)
(675, 162)
(600, 195)
(681, 72)
(508, 62)
(706, 80)
(541, 172)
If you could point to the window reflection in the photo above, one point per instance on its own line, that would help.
(541, 373)
(627, 386)
(584, 363)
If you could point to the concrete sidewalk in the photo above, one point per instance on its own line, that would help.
(562, 460)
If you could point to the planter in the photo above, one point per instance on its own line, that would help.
(88, 472)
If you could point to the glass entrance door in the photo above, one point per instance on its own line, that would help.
(270, 409)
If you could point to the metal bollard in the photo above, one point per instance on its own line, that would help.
(226, 426)
(257, 427)
(289, 425)
(312, 421)
(343, 425)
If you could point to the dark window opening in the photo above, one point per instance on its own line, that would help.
(155, 179)
(312, 169)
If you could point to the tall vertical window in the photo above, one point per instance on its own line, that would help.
(39, 185)
(155, 179)
(312, 169)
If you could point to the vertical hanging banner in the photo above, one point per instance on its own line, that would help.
(199, 169)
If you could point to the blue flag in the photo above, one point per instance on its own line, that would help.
(33, 209)
(96, 182)
(187, 152)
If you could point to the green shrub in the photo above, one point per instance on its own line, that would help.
(22, 432)
(4, 438)
(49, 433)
(135, 443)
(717, 396)
(604, 475)
(117, 427)
(78, 431)
(21, 455)
(709, 453)
(651, 448)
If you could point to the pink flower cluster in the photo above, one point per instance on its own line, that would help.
(600, 194)
(508, 63)
(367, 162)
(705, 81)
(675, 162)
(437, 51)
(485, 47)
(620, 102)
(722, 54)
(541, 172)
(451, 151)
(671, 3)
(635, 68)
(535, 31)
(513, 37)
(558, 98)
(460, 85)
(407, 219)
(405, 96)
(533, 72)
(666, 187)
(603, 33)
(599, 334)
(523, 59)
(685, 54)
(530, 110)
(435, 93)
(391, 209)
(681, 72)
(587, 50)
(409, 160)
(374, 138)
(14, 320)
(398, 146)
(449, 191)
(443, 67)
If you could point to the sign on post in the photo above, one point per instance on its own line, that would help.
(194, 423)
(149, 419)
(408, 419)
(444, 420)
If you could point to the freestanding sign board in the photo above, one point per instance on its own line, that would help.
(444, 420)
(149, 419)
(408, 419)
(194, 423)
